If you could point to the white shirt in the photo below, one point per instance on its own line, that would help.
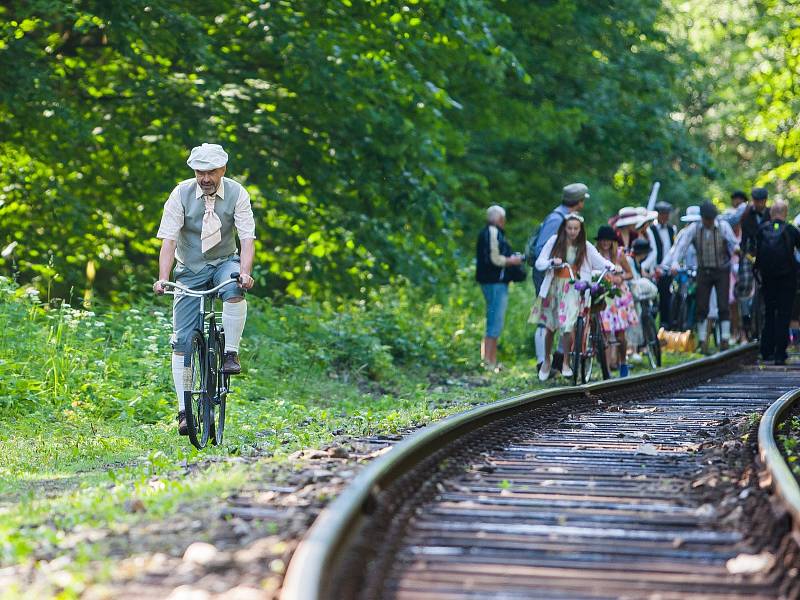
(172, 219)
(593, 260)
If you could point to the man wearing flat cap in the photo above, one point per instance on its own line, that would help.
(201, 219)
(573, 198)
(715, 245)
(662, 237)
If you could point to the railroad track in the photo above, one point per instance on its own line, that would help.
(645, 488)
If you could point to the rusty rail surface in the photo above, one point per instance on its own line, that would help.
(780, 475)
(472, 502)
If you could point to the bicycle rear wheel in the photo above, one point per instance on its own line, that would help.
(221, 383)
(195, 380)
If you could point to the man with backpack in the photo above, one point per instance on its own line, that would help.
(756, 214)
(573, 198)
(776, 241)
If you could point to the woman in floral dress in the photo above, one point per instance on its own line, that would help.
(620, 313)
(557, 305)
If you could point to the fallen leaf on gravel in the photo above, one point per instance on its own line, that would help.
(135, 505)
(747, 564)
(200, 553)
(648, 449)
(187, 592)
(706, 510)
(589, 426)
(709, 480)
(338, 452)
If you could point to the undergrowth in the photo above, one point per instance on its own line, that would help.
(87, 409)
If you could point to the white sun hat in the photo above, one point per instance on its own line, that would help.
(626, 216)
(692, 214)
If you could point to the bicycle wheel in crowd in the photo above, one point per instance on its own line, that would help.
(587, 359)
(600, 349)
(221, 390)
(652, 345)
(757, 316)
(195, 396)
(577, 345)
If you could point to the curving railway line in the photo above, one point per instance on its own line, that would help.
(643, 488)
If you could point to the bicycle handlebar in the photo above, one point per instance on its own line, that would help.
(198, 293)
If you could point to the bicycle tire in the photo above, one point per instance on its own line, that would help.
(196, 405)
(757, 315)
(577, 344)
(600, 349)
(587, 355)
(221, 392)
(651, 339)
(676, 312)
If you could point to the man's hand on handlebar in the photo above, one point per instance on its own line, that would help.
(158, 288)
(246, 281)
(556, 262)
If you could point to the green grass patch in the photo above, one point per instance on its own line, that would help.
(87, 410)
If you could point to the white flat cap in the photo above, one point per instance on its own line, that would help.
(207, 157)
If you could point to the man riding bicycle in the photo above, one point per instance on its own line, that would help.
(197, 229)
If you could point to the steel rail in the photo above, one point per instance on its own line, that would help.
(783, 480)
(314, 563)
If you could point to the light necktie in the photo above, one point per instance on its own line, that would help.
(211, 234)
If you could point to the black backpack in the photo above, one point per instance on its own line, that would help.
(774, 251)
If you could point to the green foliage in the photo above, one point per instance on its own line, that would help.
(370, 134)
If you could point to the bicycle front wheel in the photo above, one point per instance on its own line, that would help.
(577, 350)
(221, 383)
(195, 379)
(600, 348)
(652, 344)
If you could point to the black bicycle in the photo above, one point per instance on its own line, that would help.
(589, 343)
(683, 299)
(206, 385)
(652, 345)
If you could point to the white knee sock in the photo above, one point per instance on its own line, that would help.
(702, 330)
(177, 377)
(234, 314)
(539, 339)
(725, 329)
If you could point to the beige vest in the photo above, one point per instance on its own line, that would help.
(189, 251)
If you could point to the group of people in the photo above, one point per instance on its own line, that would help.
(748, 249)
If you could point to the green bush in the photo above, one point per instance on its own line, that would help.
(112, 363)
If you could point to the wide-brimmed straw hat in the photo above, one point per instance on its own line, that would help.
(692, 214)
(626, 216)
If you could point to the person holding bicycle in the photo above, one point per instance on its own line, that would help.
(558, 303)
(620, 313)
(715, 244)
(201, 219)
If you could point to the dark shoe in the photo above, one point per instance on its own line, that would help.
(768, 358)
(231, 366)
(780, 362)
(724, 345)
(558, 361)
(183, 428)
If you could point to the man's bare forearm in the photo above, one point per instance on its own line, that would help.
(246, 258)
(166, 259)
